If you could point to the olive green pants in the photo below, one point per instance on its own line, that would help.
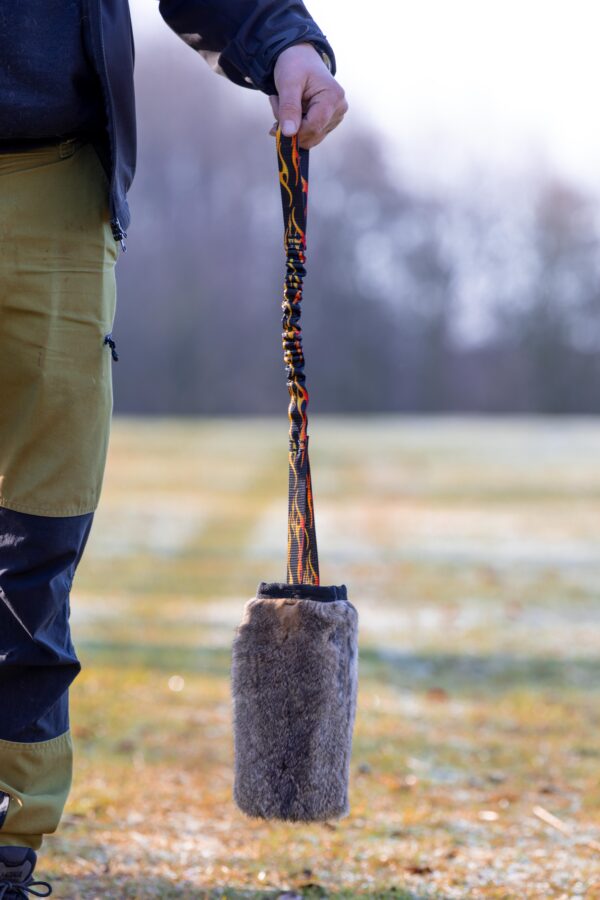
(57, 305)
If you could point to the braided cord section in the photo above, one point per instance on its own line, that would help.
(302, 556)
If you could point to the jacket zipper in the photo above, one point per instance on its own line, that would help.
(118, 233)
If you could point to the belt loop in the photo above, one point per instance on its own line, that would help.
(68, 147)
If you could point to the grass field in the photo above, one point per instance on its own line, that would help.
(472, 552)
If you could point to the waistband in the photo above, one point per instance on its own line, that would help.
(40, 155)
(23, 145)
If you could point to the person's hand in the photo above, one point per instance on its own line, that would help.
(310, 101)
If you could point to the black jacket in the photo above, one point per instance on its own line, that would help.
(242, 37)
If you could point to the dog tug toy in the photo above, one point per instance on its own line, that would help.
(294, 673)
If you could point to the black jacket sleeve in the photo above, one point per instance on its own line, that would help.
(243, 38)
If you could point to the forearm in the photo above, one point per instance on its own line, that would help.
(243, 38)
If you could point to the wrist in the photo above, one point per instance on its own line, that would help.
(324, 56)
(326, 59)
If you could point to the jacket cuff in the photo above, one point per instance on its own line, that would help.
(253, 65)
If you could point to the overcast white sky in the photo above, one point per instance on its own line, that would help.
(457, 82)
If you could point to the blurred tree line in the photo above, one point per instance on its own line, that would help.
(485, 297)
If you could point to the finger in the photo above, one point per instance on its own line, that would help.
(317, 117)
(313, 140)
(273, 130)
(325, 111)
(290, 106)
(319, 121)
(274, 101)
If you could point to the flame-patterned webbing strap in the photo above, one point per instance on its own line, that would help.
(302, 560)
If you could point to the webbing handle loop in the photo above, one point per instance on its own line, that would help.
(302, 556)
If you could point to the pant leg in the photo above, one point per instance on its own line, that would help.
(38, 559)
(57, 303)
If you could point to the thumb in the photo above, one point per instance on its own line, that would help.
(290, 106)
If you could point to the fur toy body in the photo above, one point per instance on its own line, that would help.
(294, 685)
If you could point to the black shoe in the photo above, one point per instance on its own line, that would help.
(16, 875)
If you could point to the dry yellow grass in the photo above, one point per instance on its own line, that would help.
(471, 549)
